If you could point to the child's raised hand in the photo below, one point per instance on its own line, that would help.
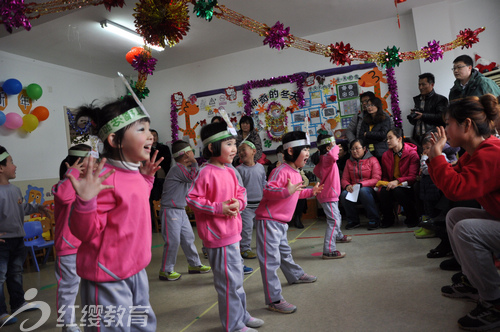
(150, 167)
(292, 188)
(438, 140)
(318, 188)
(231, 207)
(77, 165)
(91, 185)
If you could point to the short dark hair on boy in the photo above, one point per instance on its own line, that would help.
(210, 130)
(2, 150)
(178, 146)
(293, 136)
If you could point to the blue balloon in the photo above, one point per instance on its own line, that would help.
(2, 118)
(12, 86)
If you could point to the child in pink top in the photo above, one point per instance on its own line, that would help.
(327, 173)
(281, 192)
(111, 217)
(216, 199)
(68, 281)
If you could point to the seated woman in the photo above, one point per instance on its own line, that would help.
(376, 123)
(474, 233)
(400, 166)
(364, 169)
(247, 132)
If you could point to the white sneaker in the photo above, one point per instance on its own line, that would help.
(254, 322)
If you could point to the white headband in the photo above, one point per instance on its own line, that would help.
(292, 144)
(78, 153)
(182, 151)
(4, 156)
(326, 141)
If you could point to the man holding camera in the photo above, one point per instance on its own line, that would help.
(427, 113)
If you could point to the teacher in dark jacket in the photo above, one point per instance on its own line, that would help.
(376, 123)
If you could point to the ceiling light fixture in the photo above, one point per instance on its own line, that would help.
(126, 33)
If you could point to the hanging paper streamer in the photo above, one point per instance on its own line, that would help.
(393, 89)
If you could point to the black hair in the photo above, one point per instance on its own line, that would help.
(430, 77)
(279, 149)
(101, 116)
(321, 148)
(178, 146)
(72, 159)
(153, 131)
(2, 150)
(345, 146)
(217, 118)
(293, 136)
(368, 94)
(356, 140)
(247, 119)
(209, 130)
(465, 59)
(483, 111)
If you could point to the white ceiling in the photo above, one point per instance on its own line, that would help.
(75, 39)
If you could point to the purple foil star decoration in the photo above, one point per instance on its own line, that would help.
(144, 63)
(277, 36)
(434, 51)
(12, 14)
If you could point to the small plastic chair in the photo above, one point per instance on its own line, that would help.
(35, 241)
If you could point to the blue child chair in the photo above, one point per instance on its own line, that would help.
(35, 241)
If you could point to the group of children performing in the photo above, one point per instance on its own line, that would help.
(103, 237)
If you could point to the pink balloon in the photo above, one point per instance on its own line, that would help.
(13, 120)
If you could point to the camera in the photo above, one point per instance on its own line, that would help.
(412, 116)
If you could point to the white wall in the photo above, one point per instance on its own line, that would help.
(39, 153)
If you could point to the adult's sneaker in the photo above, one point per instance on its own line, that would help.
(283, 307)
(460, 290)
(169, 276)
(248, 254)
(199, 269)
(7, 319)
(485, 316)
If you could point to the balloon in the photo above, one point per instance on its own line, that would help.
(2, 118)
(13, 120)
(30, 122)
(132, 53)
(12, 86)
(41, 112)
(34, 91)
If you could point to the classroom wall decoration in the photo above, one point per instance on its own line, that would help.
(327, 98)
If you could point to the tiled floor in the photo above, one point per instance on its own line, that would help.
(385, 283)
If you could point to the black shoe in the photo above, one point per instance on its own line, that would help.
(438, 254)
(459, 277)
(485, 316)
(352, 225)
(386, 225)
(450, 265)
(460, 290)
(373, 225)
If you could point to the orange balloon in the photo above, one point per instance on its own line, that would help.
(132, 53)
(41, 112)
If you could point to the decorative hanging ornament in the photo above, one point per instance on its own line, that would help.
(12, 14)
(145, 64)
(113, 3)
(278, 36)
(468, 37)
(276, 121)
(340, 54)
(433, 50)
(162, 23)
(391, 57)
(205, 9)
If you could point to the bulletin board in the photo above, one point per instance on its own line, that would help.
(329, 98)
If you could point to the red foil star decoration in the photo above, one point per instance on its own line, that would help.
(469, 37)
(340, 54)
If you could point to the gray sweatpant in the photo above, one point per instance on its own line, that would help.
(475, 237)
(274, 252)
(333, 222)
(68, 283)
(247, 218)
(118, 306)
(176, 230)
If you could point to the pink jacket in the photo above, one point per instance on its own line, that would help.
(409, 165)
(64, 196)
(366, 171)
(327, 172)
(114, 227)
(212, 187)
(277, 204)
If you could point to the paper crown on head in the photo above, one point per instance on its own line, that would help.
(300, 142)
(228, 132)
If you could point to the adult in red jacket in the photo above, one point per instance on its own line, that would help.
(400, 166)
(363, 169)
(474, 233)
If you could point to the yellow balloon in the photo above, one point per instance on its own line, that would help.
(30, 122)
